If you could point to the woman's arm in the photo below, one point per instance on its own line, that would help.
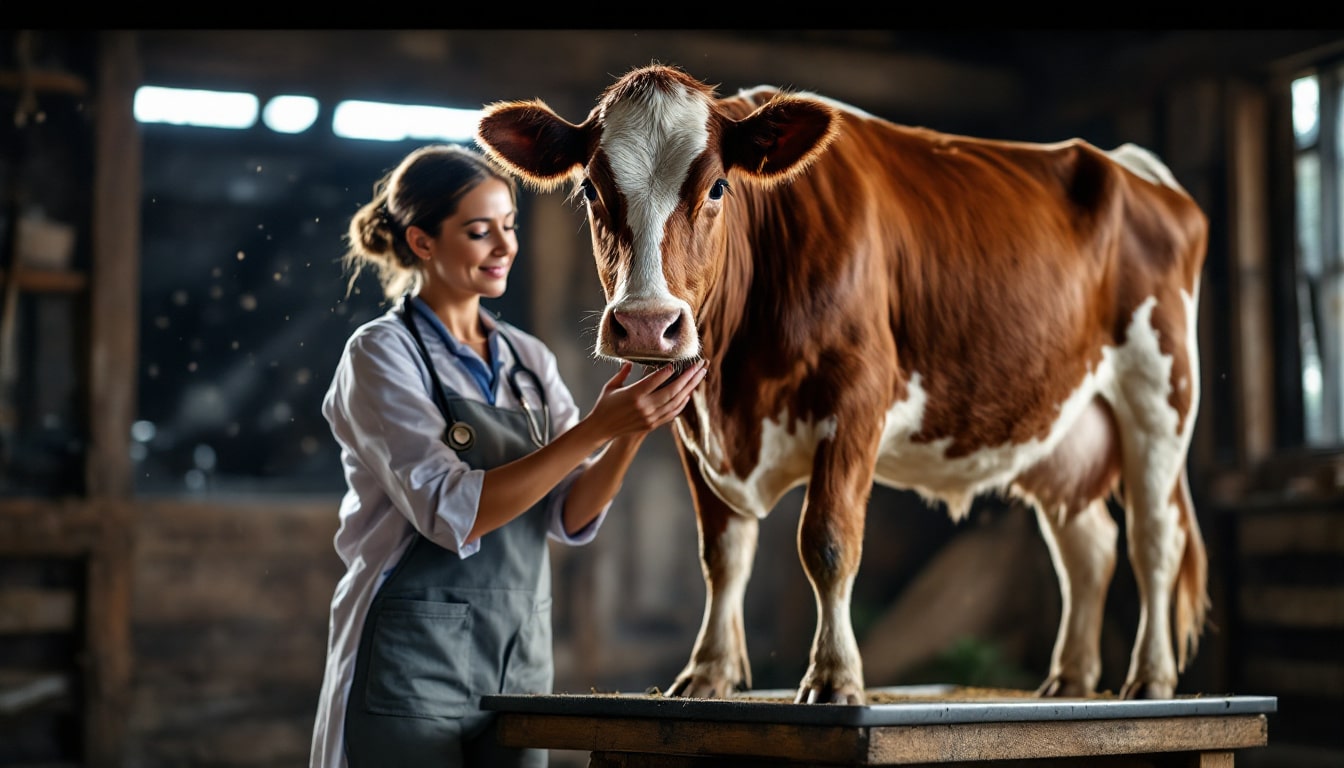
(622, 416)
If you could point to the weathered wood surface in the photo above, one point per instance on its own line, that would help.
(662, 742)
(1171, 760)
(229, 621)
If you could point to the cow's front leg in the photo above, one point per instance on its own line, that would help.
(830, 544)
(719, 664)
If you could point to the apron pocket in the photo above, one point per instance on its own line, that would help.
(420, 659)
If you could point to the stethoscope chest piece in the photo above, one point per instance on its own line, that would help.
(461, 436)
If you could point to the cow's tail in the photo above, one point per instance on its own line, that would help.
(1192, 579)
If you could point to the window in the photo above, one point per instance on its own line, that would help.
(243, 305)
(1318, 117)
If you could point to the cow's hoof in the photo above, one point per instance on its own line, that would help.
(691, 687)
(1147, 690)
(1060, 687)
(829, 695)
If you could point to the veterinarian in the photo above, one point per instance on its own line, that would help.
(463, 452)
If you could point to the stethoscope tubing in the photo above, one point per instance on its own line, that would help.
(539, 429)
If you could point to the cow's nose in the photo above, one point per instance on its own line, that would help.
(646, 333)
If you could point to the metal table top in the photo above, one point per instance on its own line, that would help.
(924, 708)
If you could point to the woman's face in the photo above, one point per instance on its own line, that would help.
(476, 246)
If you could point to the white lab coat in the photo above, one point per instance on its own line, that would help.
(399, 470)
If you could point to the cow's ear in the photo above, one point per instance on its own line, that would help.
(781, 138)
(528, 138)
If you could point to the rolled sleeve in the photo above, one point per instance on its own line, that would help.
(382, 415)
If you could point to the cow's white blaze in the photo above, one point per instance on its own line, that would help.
(649, 147)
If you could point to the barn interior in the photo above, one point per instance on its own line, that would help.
(173, 306)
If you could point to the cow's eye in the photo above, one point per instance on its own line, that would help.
(589, 191)
(717, 191)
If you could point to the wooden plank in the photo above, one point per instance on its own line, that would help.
(1063, 738)
(31, 609)
(828, 743)
(230, 656)
(63, 527)
(887, 745)
(1308, 607)
(1167, 760)
(218, 585)
(43, 81)
(1291, 532)
(291, 528)
(31, 280)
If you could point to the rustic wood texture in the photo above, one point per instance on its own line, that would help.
(30, 527)
(115, 280)
(27, 609)
(676, 742)
(1170, 760)
(230, 629)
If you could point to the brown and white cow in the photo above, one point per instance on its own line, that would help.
(887, 303)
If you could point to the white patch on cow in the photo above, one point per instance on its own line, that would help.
(650, 146)
(1134, 378)
(1145, 164)
(925, 467)
(784, 461)
(1155, 446)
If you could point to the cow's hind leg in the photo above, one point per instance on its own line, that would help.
(1159, 394)
(719, 665)
(1083, 549)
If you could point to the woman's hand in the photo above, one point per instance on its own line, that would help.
(652, 401)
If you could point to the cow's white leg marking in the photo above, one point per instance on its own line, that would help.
(1082, 547)
(1154, 443)
(719, 659)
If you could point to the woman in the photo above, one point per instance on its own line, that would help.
(463, 453)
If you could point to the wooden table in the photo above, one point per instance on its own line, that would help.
(924, 725)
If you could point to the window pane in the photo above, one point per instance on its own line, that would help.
(1313, 423)
(1309, 213)
(1306, 110)
(1331, 314)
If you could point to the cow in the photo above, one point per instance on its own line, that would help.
(886, 303)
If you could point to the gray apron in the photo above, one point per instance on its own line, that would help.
(443, 630)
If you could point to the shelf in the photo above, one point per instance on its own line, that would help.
(48, 280)
(43, 81)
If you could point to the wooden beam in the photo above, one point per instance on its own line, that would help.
(113, 355)
(115, 296)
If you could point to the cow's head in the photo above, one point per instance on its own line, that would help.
(655, 162)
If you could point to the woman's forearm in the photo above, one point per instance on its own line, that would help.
(593, 490)
(510, 489)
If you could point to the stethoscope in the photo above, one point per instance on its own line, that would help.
(461, 435)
